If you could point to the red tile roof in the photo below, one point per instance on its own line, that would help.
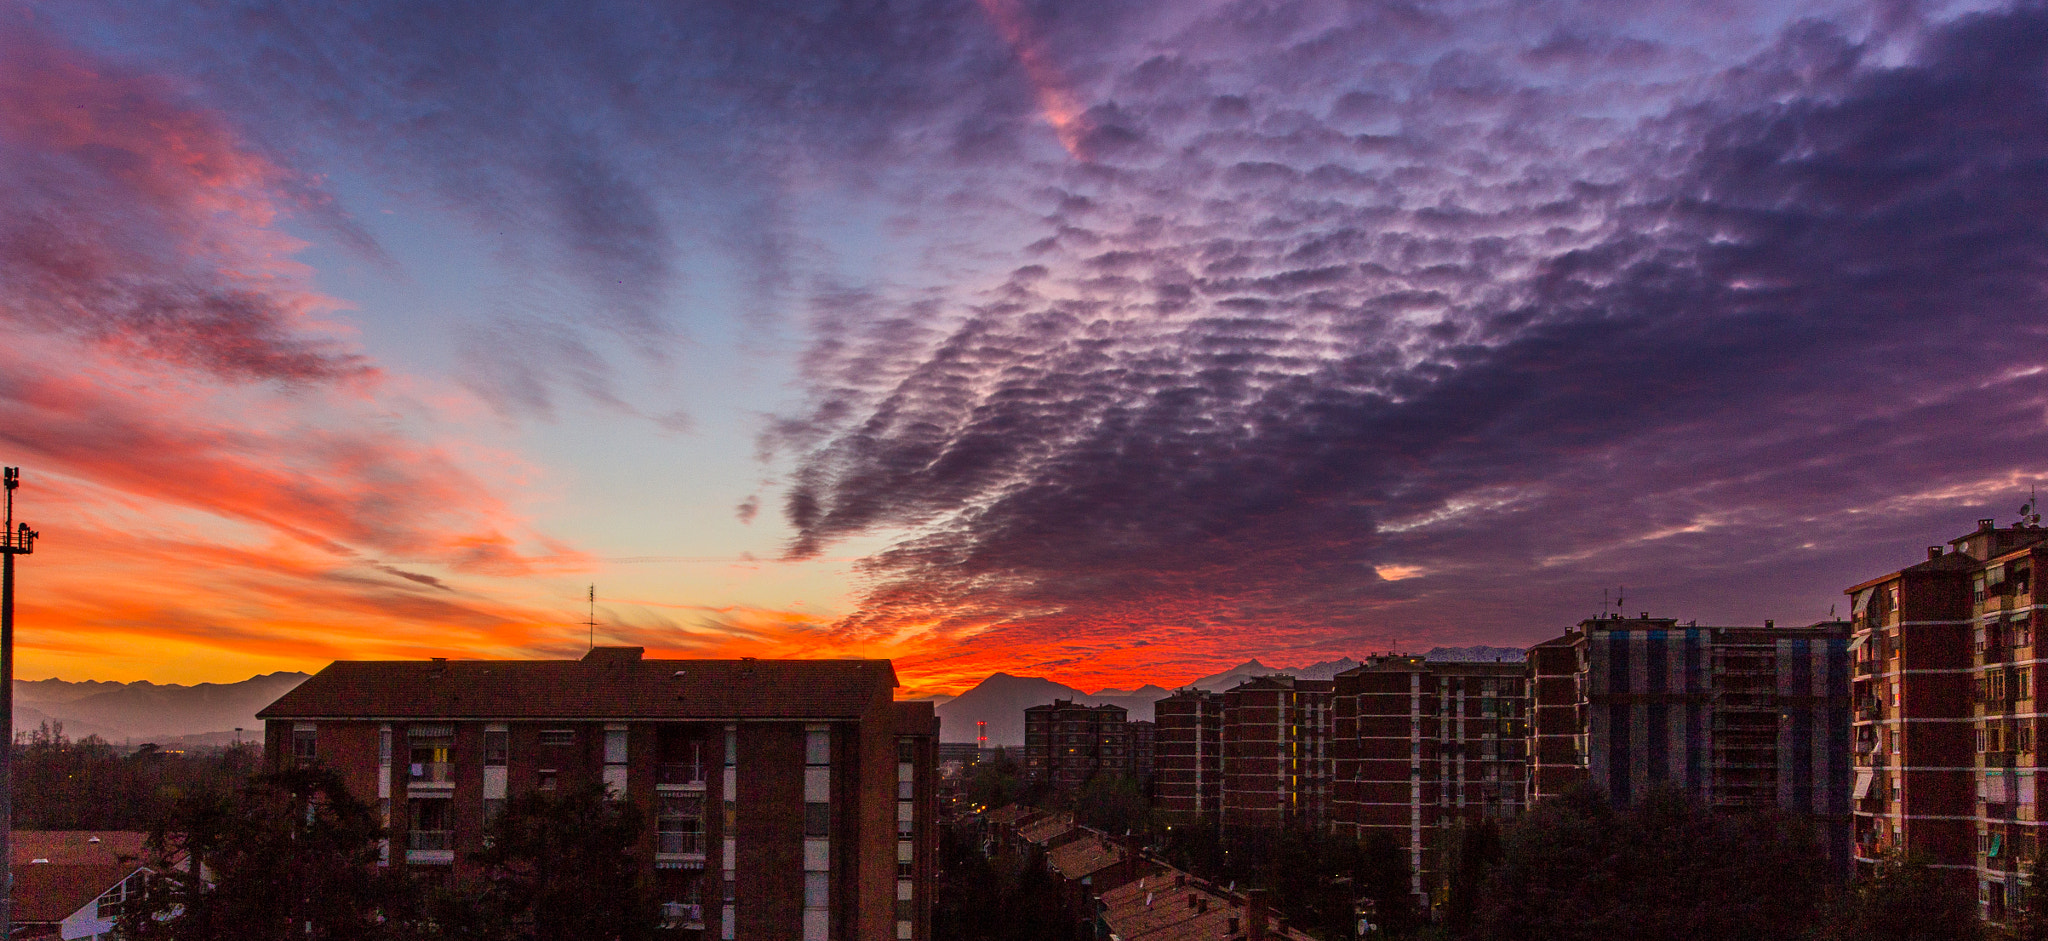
(51, 892)
(610, 682)
(73, 847)
(1083, 858)
(1047, 829)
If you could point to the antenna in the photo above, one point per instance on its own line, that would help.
(1620, 600)
(593, 616)
(2030, 511)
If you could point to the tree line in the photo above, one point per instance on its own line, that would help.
(1574, 868)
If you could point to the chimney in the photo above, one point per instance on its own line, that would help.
(1255, 912)
(1768, 624)
(1933, 553)
(1232, 929)
(1180, 880)
(1202, 905)
(1985, 526)
(1191, 901)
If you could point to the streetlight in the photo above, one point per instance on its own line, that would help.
(14, 541)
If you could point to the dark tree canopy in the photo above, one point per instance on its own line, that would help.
(555, 866)
(293, 856)
(1669, 868)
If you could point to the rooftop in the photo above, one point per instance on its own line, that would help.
(609, 682)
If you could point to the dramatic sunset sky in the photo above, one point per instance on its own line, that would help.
(1103, 340)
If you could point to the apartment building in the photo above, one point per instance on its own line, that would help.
(1418, 745)
(789, 798)
(1066, 743)
(1144, 738)
(1740, 717)
(1946, 721)
(1276, 753)
(1188, 758)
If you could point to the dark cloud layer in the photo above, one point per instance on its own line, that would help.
(1251, 325)
(1734, 351)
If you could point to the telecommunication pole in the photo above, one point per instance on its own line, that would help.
(14, 541)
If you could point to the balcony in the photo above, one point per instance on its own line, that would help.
(684, 916)
(429, 840)
(679, 849)
(679, 775)
(1865, 667)
(431, 774)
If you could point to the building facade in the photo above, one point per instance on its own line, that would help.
(1066, 743)
(789, 798)
(1739, 717)
(1276, 753)
(1418, 745)
(1946, 721)
(1187, 779)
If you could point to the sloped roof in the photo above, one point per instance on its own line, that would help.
(608, 683)
(1046, 829)
(1009, 813)
(51, 892)
(75, 847)
(1084, 857)
(1169, 917)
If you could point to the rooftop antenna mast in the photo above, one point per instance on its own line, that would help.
(593, 616)
(2030, 511)
(14, 541)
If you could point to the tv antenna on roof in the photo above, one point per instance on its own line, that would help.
(593, 616)
(2030, 511)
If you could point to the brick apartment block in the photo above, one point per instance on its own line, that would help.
(1188, 759)
(789, 799)
(1066, 743)
(1947, 717)
(1421, 744)
(1740, 717)
(1276, 753)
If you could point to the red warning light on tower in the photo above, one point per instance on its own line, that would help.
(981, 734)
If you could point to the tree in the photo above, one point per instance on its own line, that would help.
(1113, 804)
(1667, 868)
(1473, 849)
(2030, 923)
(555, 866)
(1385, 877)
(294, 856)
(1903, 899)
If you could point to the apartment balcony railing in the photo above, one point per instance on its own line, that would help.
(679, 774)
(679, 843)
(428, 840)
(683, 915)
(1865, 667)
(432, 774)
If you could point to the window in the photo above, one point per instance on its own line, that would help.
(494, 807)
(497, 747)
(384, 746)
(548, 780)
(818, 747)
(817, 819)
(906, 749)
(558, 736)
(305, 745)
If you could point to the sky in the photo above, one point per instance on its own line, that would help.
(1101, 340)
